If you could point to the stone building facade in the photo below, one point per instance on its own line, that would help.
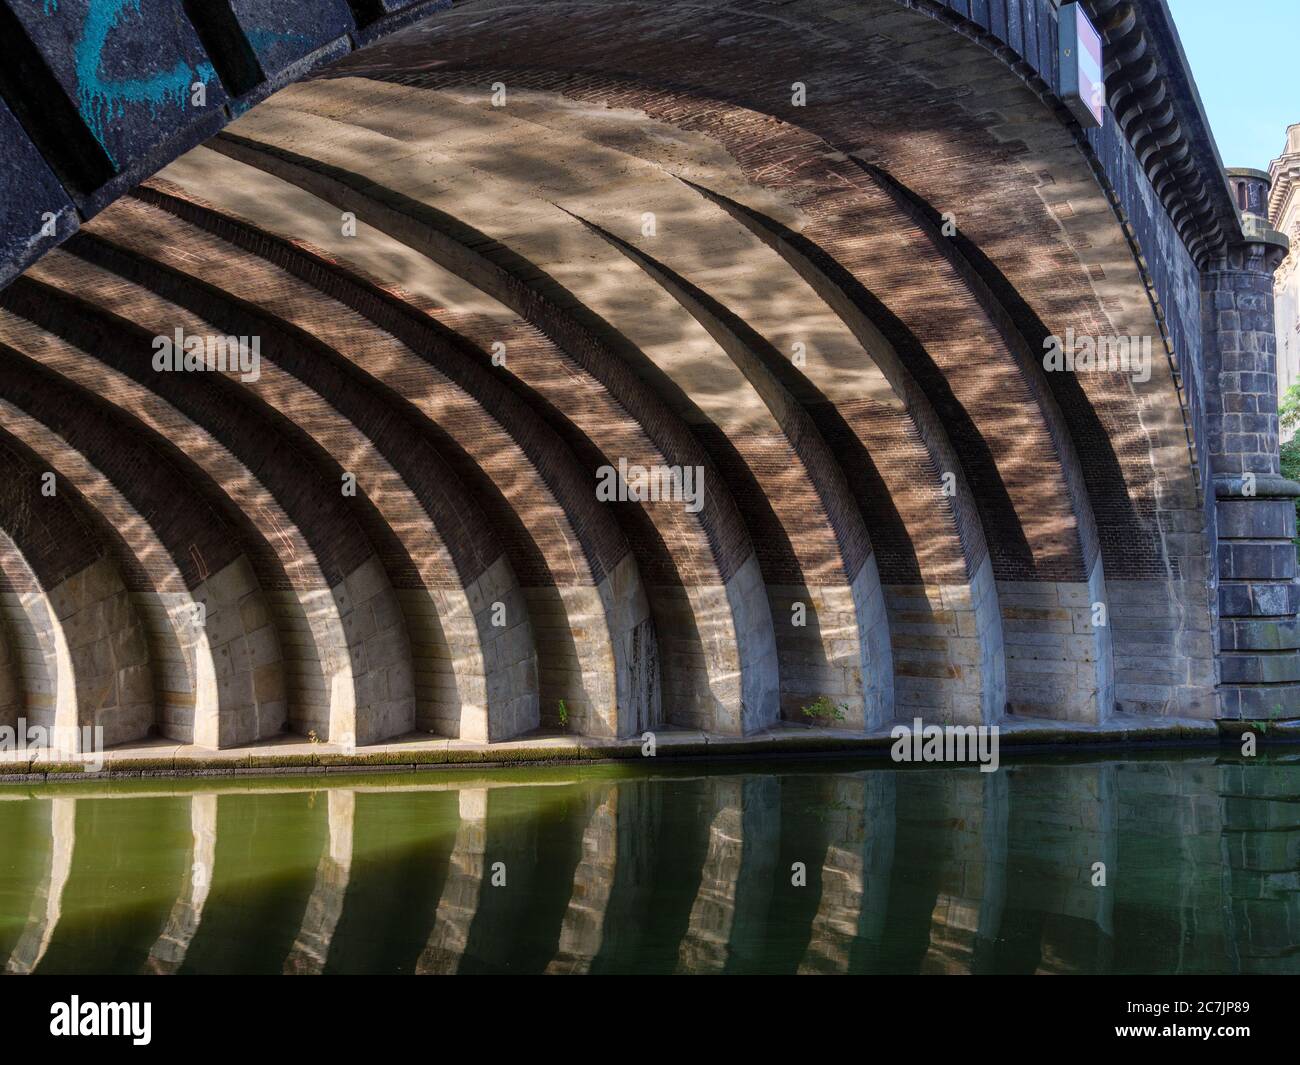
(1284, 216)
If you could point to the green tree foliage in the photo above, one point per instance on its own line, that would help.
(1288, 412)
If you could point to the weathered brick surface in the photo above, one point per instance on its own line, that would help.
(606, 361)
(916, 96)
(192, 640)
(323, 650)
(490, 460)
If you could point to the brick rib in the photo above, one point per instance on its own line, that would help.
(406, 407)
(705, 552)
(323, 692)
(439, 558)
(188, 702)
(811, 500)
(80, 648)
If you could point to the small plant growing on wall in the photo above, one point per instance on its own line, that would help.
(823, 711)
(564, 715)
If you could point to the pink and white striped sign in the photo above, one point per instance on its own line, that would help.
(1092, 90)
(1082, 86)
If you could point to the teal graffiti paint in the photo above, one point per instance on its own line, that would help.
(100, 100)
(265, 40)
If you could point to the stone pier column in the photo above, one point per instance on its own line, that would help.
(1258, 597)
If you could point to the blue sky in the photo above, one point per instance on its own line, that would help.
(1244, 58)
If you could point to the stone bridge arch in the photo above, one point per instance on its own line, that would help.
(817, 250)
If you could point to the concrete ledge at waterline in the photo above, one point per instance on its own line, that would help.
(162, 758)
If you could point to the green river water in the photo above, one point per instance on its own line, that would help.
(796, 867)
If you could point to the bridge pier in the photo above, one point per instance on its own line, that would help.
(1258, 595)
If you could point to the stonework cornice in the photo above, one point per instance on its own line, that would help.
(1154, 101)
(1284, 201)
(1285, 174)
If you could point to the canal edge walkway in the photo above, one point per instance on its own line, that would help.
(159, 757)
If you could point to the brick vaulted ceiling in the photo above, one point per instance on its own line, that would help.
(513, 245)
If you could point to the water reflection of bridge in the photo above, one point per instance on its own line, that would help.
(906, 871)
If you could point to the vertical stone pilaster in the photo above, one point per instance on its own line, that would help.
(1258, 596)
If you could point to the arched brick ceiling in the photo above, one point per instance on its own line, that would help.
(169, 652)
(287, 562)
(891, 90)
(835, 307)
